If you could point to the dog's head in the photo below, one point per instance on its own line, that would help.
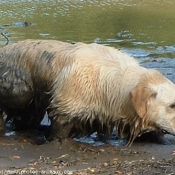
(154, 101)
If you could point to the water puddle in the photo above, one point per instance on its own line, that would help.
(92, 140)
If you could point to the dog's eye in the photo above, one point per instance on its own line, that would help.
(172, 105)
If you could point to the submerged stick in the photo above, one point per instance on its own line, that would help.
(6, 37)
(5, 34)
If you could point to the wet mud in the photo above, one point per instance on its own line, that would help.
(18, 154)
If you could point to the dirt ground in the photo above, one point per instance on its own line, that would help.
(20, 155)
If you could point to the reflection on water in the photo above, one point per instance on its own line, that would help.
(92, 140)
(128, 24)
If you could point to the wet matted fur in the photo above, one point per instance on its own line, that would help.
(85, 88)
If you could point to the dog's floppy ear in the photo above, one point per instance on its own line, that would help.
(140, 97)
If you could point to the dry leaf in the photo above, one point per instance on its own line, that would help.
(118, 172)
(105, 164)
(115, 161)
(16, 157)
(91, 170)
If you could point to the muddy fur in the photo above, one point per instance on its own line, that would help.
(25, 80)
(84, 87)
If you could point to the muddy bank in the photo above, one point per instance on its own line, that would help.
(18, 154)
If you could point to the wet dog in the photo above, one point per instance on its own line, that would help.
(85, 88)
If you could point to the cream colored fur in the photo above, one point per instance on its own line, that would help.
(95, 88)
(102, 83)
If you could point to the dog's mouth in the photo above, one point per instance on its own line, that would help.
(163, 131)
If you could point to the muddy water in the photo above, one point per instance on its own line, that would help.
(142, 28)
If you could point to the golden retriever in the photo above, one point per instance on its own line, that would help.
(86, 88)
